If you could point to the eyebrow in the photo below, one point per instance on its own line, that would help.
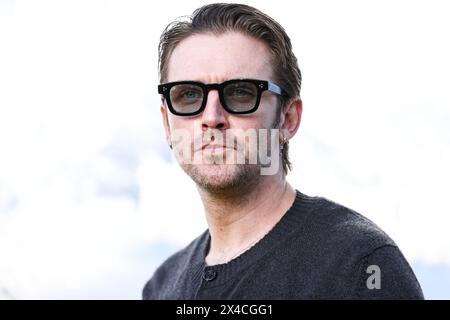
(220, 80)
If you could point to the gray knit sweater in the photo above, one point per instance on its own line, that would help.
(318, 250)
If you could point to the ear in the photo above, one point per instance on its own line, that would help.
(291, 118)
(165, 120)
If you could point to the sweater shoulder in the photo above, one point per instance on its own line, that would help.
(175, 264)
(337, 225)
(343, 246)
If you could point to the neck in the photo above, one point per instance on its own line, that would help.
(237, 221)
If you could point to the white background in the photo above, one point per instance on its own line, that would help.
(91, 200)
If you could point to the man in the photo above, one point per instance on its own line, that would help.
(228, 76)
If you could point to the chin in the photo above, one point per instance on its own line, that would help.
(222, 177)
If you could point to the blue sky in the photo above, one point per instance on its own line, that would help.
(91, 200)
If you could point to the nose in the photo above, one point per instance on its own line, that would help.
(214, 115)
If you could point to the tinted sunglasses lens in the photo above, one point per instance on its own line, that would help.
(240, 96)
(186, 98)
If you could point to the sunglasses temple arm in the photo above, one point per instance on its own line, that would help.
(272, 87)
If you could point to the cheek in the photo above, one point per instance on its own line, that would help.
(176, 122)
(183, 130)
(268, 111)
(266, 119)
(261, 119)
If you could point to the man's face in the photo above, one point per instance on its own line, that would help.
(210, 58)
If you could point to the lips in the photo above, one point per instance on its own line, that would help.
(211, 146)
(214, 148)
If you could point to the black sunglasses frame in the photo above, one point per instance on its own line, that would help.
(261, 85)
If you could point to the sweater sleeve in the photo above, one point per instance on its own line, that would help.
(385, 274)
(152, 287)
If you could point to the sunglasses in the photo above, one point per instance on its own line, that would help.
(239, 96)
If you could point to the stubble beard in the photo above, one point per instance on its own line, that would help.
(224, 179)
(232, 180)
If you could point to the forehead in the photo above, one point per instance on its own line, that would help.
(215, 58)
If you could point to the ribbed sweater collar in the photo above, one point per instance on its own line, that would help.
(292, 220)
